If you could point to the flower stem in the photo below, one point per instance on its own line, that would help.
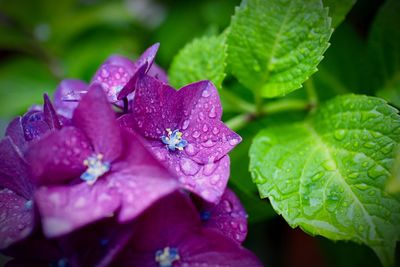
(238, 122)
(237, 102)
(312, 93)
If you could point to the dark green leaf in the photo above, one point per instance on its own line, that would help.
(275, 45)
(328, 173)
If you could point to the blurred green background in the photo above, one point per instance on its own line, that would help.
(45, 41)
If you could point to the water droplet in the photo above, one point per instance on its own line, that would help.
(212, 113)
(317, 176)
(369, 144)
(188, 166)
(387, 149)
(227, 206)
(196, 134)
(361, 186)
(361, 228)
(215, 130)
(233, 142)
(209, 168)
(208, 143)
(329, 165)
(190, 150)
(353, 175)
(339, 134)
(104, 73)
(376, 171)
(215, 179)
(234, 224)
(242, 228)
(205, 128)
(185, 124)
(206, 93)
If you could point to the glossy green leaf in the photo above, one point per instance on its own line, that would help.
(275, 45)
(393, 185)
(202, 59)
(338, 9)
(384, 50)
(328, 173)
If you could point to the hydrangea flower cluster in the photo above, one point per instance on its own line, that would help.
(124, 171)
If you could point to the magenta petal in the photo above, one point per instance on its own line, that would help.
(16, 218)
(34, 125)
(14, 170)
(50, 115)
(63, 103)
(16, 133)
(139, 178)
(59, 157)
(97, 244)
(131, 85)
(67, 208)
(152, 108)
(95, 117)
(147, 57)
(113, 74)
(214, 249)
(210, 138)
(207, 181)
(173, 222)
(228, 217)
(158, 73)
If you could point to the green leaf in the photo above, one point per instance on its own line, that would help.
(202, 59)
(384, 50)
(275, 45)
(22, 84)
(328, 173)
(338, 9)
(393, 185)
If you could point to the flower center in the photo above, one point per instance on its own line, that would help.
(167, 256)
(95, 168)
(174, 140)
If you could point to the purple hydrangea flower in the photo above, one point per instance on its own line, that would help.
(67, 95)
(185, 131)
(228, 216)
(34, 124)
(170, 234)
(92, 169)
(116, 75)
(16, 196)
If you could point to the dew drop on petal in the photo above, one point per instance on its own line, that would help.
(227, 206)
(233, 142)
(188, 166)
(185, 124)
(190, 150)
(206, 93)
(196, 134)
(212, 113)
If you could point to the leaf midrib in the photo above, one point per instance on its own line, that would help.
(328, 153)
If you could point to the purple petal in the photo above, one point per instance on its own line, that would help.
(95, 117)
(67, 208)
(131, 85)
(202, 127)
(97, 244)
(228, 216)
(173, 222)
(113, 74)
(139, 178)
(16, 133)
(147, 57)
(34, 125)
(50, 115)
(14, 170)
(59, 157)
(62, 96)
(207, 181)
(153, 110)
(16, 218)
(158, 73)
